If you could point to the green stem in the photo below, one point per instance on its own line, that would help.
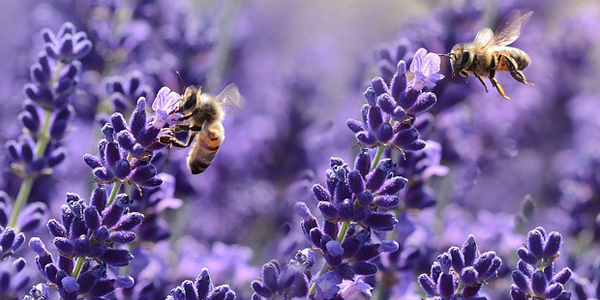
(114, 192)
(377, 158)
(27, 184)
(78, 266)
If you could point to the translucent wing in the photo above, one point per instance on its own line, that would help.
(510, 28)
(484, 36)
(230, 98)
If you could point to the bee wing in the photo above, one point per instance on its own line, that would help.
(510, 28)
(230, 98)
(484, 36)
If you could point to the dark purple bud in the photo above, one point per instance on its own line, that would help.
(260, 289)
(77, 228)
(424, 102)
(56, 228)
(406, 137)
(116, 257)
(386, 201)
(552, 245)
(492, 271)
(112, 154)
(13, 151)
(398, 84)
(351, 245)
(375, 118)
(122, 237)
(98, 198)
(65, 263)
(126, 140)
(330, 228)
(152, 182)
(381, 221)
(346, 210)
(361, 213)
(365, 198)
(56, 157)
(29, 122)
(108, 133)
(149, 135)
(384, 132)
(122, 168)
(355, 182)
(82, 245)
(394, 185)
(458, 262)
(363, 163)
(525, 268)
(446, 285)
(138, 119)
(203, 284)
(526, 256)
(445, 262)
(408, 98)
(142, 173)
(539, 283)
(469, 250)
(535, 243)
(320, 193)
(303, 211)
(428, 285)
(63, 245)
(366, 138)
(91, 217)
(345, 271)
(97, 249)
(563, 276)
(377, 177)
(7, 239)
(19, 264)
(371, 96)
(315, 236)
(130, 221)
(92, 161)
(389, 246)
(379, 86)
(469, 276)
(354, 125)
(364, 268)
(334, 248)
(484, 261)
(70, 284)
(553, 291)
(26, 149)
(51, 270)
(270, 273)
(102, 287)
(118, 122)
(328, 209)
(367, 252)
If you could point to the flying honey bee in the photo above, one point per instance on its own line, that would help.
(489, 53)
(203, 119)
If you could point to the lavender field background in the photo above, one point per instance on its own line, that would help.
(494, 199)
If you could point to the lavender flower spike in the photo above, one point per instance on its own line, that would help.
(426, 67)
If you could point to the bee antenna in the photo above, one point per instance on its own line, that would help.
(444, 54)
(180, 78)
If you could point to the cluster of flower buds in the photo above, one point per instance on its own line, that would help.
(90, 233)
(29, 219)
(460, 272)
(388, 118)
(47, 111)
(345, 257)
(360, 194)
(126, 152)
(201, 289)
(279, 282)
(124, 91)
(535, 276)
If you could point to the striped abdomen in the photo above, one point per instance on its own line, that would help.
(519, 56)
(206, 147)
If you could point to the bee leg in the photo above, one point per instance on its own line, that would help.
(514, 71)
(499, 88)
(174, 142)
(482, 82)
(466, 78)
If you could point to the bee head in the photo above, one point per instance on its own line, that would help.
(189, 99)
(459, 58)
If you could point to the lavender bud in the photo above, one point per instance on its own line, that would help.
(535, 243)
(320, 193)
(381, 221)
(375, 118)
(563, 276)
(526, 256)
(446, 285)
(364, 268)
(92, 218)
(379, 86)
(552, 244)
(346, 210)
(116, 257)
(458, 261)
(539, 283)
(469, 275)
(469, 250)
(445, 262)
(428, 285)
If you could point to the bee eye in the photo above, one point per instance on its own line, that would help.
(465, 58)
(190, 102)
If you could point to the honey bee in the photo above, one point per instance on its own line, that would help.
(489, 53)
(203, 119)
